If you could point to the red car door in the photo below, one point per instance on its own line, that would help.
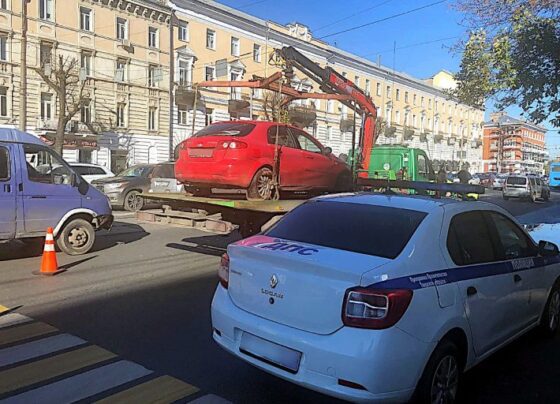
(291, 173)
(320, 170)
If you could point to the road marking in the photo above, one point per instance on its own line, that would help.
(83, 385)
(45, 369)
(25, 331)
(162, 390)
(13, 319)
(34, 349)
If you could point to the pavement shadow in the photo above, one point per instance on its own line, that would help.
(214, 245)
(121, 233)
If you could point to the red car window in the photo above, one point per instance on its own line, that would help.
(305, 141)
(284, 137)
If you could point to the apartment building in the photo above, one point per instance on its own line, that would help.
(121, 52)
(216, 42)
(513, 145)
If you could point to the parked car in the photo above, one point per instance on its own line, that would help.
(239, 156)
(487, 179)
(38, 189)
(352, 295)
(91, 172)
(126, 188)
(498, 181)
(525, 186)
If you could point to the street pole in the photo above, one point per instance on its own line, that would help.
(171, 86)
(23, 68)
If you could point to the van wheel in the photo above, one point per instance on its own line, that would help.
(76, 238)
(133, 201)
(550, 319)
(440, 381)
(261, 187)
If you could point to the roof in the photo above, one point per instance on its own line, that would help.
(505, 120)
(17, 136)
(412, 202)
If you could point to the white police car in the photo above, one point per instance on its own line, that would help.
(384, 298)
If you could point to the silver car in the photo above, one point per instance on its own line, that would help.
(524, 186)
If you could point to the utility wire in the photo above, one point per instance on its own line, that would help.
(383, 19)
(352, 15)
(254, 3)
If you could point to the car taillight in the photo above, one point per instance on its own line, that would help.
(233, 144)
(223, 271)
(374, 308)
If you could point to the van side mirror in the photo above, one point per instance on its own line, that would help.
(547, 249)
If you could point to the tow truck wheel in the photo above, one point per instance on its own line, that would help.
(261, 186)
(76, 238)
(440, 381)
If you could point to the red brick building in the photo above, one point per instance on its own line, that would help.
(511, 145)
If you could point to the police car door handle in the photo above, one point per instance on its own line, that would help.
(471, 291)
(516, 278)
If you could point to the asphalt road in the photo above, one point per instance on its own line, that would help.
(144, 293)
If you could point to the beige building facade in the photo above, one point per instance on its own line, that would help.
(121, 52)
(217, 42)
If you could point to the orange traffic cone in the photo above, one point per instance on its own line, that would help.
(49, 265)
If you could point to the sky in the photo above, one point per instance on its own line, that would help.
(423, 39)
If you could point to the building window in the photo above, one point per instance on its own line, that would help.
(378, 90)
(85, 63)
(329, 133)
(4, 4)
(154, 75)
(120, 70)
(367, 87)
(182, 115)
(235, 46)
(436, 106)
(388, 94)
(184, 73)
(414, 99)
(85, 112)
(357, 81)
(209, 73)
(85, 19)
(397, 94)
(210, 39)
(152, 37)
(406, 97)
(208, 119)
(46, 10)
(421, 101)
(256, 53)
(46, 106)
(3, 47)
(429, 103)
(183, 31)
(152, 118)
(235, 91)
(45, 54)
(398, 117)
(121, 115)
(122, 29)
(330, 106)
(414, 122)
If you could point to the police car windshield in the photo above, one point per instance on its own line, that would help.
(366, 229)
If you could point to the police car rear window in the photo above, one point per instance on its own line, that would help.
(367, 229)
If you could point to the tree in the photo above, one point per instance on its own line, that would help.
(512, 55)
(64, 79)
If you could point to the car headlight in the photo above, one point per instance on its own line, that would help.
(114, 187)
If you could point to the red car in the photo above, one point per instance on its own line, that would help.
(239, 155)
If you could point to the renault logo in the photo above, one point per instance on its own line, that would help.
(273, 281)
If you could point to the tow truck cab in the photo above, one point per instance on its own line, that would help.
(38, 190)
(387, 160)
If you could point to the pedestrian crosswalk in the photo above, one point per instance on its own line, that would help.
(40, 364)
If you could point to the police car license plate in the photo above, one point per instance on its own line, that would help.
(270, 352)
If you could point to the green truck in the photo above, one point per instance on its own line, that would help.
(390, 161)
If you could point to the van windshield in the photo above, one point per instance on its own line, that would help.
(226, 129)
(367, 229)
(516, 181)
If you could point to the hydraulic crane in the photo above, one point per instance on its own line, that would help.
(333, 85)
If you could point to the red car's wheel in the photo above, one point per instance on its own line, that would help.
(261, 187)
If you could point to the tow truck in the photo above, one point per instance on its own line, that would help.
(224, 215)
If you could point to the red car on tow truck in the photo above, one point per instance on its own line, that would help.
(240, 156)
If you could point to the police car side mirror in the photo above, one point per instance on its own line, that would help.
(548, 249)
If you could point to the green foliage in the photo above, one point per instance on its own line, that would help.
(516, 64)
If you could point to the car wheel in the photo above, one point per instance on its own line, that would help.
(261, 187)
(546, 197)
(550, 319)
(343, 182)
(133, 201)
(76, 238)
(533, 198)
(440, 381)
